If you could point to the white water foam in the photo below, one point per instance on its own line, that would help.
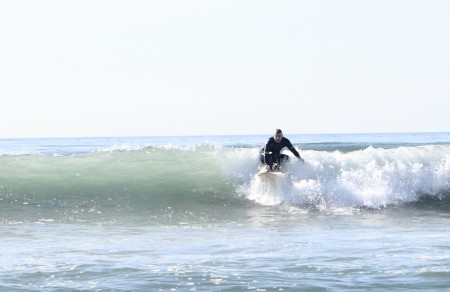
(371, 178)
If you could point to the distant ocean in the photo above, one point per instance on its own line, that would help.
(365, 212)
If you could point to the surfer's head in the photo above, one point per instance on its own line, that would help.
(278, 135)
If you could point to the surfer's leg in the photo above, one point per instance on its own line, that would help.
(276, 167)
(262, 158)
(284, 157)
(266, 160)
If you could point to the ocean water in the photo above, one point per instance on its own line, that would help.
(364, 212)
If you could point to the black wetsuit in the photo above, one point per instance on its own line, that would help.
(274, 149)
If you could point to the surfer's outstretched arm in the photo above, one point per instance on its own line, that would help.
(295, 152)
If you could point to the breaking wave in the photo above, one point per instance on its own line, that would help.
(205, 177)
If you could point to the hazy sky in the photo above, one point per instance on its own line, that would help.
(120, 68)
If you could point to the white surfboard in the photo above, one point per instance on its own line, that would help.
(269, 174)
(267, 187)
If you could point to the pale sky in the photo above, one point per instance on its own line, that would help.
(128, 68)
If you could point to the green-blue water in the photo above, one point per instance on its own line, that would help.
(365, 212)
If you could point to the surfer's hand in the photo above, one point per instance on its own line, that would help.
(301, 160)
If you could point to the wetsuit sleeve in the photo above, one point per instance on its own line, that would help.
(290, 147)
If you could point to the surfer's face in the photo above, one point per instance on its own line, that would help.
(278, 137)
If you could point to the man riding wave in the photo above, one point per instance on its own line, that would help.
(271, 153)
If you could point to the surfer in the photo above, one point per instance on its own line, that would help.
(271, 153)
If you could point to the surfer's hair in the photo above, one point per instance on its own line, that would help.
(278, 131)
